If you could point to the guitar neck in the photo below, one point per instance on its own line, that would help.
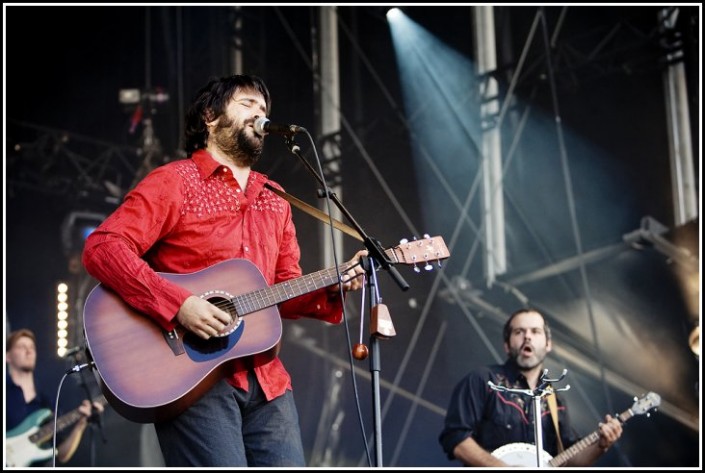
(46, 432)
(585, 442)
(412, 253)
(283, 291)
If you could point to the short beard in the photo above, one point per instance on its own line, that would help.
(240, 148)
(514, 355)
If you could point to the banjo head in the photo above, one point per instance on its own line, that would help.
(521, 454)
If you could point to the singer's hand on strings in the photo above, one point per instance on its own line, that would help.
(202, 318)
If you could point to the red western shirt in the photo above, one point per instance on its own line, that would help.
(186, 216)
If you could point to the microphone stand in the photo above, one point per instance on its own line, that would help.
(373, 246)
(95, 419)
(380, 325)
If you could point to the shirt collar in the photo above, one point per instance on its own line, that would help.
(512, 371)
(205, 163)
(206, 166)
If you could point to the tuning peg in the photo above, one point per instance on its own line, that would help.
(426, 236)
(416, 268)
(428, 267)
(404, 241)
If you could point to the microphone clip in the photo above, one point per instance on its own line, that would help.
(81, 367)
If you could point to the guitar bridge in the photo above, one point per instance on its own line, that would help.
(174, 341)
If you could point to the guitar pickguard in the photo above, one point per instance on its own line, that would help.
(200, 350)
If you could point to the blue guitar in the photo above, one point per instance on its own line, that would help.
(30, 441)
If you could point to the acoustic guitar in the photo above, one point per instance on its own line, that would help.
(149, 374)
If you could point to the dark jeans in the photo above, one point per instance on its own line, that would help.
(230, 427)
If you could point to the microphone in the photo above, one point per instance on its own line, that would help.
(263, 126)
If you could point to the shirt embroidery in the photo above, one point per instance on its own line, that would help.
(206, 197)
(269, 201)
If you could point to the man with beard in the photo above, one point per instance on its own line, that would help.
(186, 216)
(480, 419)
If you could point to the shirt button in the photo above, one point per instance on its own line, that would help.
(247, 249)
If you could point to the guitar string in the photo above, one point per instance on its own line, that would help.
(258, 299)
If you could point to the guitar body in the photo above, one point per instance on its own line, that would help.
(20, 451)
(522, 454)
(149, 374)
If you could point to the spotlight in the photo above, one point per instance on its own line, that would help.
(76, 227)
(394, 13)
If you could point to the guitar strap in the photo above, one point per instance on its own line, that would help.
(313, 211)
(552, 405)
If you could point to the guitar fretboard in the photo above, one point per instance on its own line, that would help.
(46, 432)
(280, 292)
(584, 443)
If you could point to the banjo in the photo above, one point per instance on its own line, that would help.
(524, 454)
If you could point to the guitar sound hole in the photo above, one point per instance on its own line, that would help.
(199, 349)
(224, 305)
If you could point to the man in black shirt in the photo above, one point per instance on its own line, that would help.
(480, 419)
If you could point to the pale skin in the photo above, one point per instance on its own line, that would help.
(529, 345)
(196, 314)
(21, 360)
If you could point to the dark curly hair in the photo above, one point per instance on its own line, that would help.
(211, 101)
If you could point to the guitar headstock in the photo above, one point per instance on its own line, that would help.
(426, 250)
(646, 403)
